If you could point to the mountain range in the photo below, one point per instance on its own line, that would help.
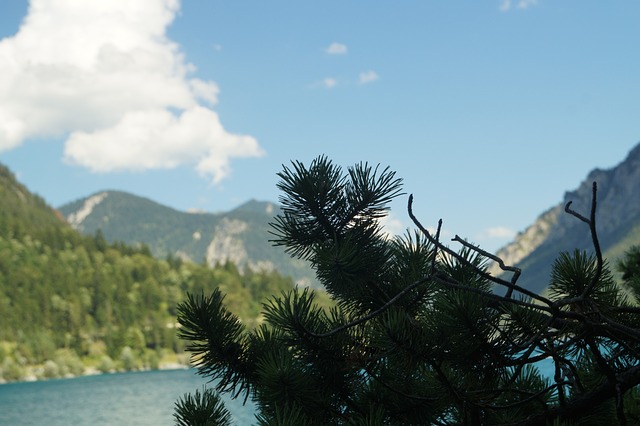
(555, 231)
(242, 235)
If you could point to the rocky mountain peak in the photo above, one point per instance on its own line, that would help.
(618, 216)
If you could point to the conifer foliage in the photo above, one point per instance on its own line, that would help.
(419, 334)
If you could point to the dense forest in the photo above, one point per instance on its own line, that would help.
(69, 302)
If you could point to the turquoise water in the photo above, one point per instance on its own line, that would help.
(140, 398)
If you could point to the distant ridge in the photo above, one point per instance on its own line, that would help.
(618, 224)
(240, 236)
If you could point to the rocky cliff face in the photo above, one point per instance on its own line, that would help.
(617, 222)
(225, 245)
(76, 218)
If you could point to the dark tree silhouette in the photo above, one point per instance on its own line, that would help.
(420, 334)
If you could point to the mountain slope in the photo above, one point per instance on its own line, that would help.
(70, 301)
(617, 223)
(240, 236)
(21, 211)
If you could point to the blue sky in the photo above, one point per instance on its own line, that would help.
(489, 110)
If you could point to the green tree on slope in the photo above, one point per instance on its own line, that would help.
(420, 334)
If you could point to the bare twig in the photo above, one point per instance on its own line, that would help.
(500, 262)
(495, 280)
(591, 221)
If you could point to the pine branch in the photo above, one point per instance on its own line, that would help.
(594, 238)
(510, 285)
(420, 314)
(370, 316)
(216, 339)
(204, 408)
(584, 402)
(500, 262)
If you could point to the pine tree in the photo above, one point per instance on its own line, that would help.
(420, 334)
(629, 267)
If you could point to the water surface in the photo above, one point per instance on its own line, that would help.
(139, 398)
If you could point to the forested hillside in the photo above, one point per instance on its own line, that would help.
(70, 301)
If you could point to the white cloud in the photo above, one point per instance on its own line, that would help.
(105, 75)
(329, 83)
(392, 226)
(336, 49)
(205, 90)
(525, 4)
(156, 139)
(497, 232)
(368, 77)
(520, 4)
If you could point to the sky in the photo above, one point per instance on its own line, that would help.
(489, 110)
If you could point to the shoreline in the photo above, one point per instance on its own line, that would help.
(35, 372)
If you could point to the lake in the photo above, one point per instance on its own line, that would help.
(137, 398)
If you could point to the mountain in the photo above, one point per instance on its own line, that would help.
(240, 236)
(20, 210)
(71, 302)
(555, 231)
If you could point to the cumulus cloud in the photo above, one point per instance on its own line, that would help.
(205, 90)
(336, 49)
(520, 4)
(105, 76)
(497, 232)
(368, 77)
(156, 139)
(392, 225)
(327, 83)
